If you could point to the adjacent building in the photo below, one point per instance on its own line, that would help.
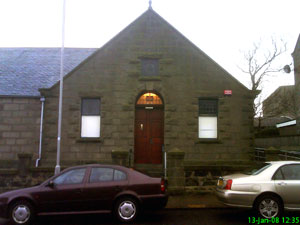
(296, 56)
(281, 103)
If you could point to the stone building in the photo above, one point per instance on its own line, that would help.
(281, 103)
(147, 88)
(296, 56)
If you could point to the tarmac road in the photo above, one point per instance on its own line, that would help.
(205, 216)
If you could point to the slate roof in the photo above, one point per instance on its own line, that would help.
(24, 70)
(280, 90)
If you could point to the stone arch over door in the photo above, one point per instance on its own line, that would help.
(149, 128)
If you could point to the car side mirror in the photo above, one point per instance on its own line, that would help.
(50, 184)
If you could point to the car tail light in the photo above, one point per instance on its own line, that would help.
(162, 186)
(228, 185)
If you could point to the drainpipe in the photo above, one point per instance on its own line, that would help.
(41, 132)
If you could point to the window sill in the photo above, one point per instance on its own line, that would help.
(150, 78)
(89, 139)
(208, 141)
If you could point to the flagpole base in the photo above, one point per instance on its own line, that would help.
(57, 169)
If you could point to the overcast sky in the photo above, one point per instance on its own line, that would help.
(222, 29)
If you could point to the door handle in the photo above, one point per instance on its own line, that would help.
(78, 191)
(118, 188)
(282, 183)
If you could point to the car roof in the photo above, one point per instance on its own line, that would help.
(283, 162)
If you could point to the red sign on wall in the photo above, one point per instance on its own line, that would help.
(227, 92)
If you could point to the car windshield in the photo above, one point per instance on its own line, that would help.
(257, 169)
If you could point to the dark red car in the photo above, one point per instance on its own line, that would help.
(86, 189)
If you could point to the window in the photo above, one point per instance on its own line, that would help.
(71, 177)
(291, 172)
(90, 118)
(278, 175)
(149, 99)
(119, 175)
(256, 169)
(101, 174)
(106, 174)
(150, 67)
(208, 118)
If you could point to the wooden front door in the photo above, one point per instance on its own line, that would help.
(149, 135)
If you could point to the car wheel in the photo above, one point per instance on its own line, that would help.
(21, 212)
(269, 206)
(126, 209)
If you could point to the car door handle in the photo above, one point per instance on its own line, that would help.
(78, 191)
(282, 183)
(118, 188)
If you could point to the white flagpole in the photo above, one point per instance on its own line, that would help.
(57, 167)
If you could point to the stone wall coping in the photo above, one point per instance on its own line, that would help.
(272, 150)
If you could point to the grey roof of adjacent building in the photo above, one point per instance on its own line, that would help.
(281, 89)
(25, 70)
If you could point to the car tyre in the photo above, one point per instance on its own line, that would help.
(21, 213)
(126, 209)
(269, 206)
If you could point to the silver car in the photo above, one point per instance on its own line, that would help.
(269, 189)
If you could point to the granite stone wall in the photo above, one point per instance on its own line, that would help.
(291, 142)
(296, 57)
(24, 175)
(203, 178)
(19, 128)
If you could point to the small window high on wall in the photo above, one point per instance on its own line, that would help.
(90, 117)
(208, 118)
(150, 67)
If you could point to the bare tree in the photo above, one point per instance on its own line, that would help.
(260, 62)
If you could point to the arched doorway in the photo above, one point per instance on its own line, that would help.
(149, 129)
